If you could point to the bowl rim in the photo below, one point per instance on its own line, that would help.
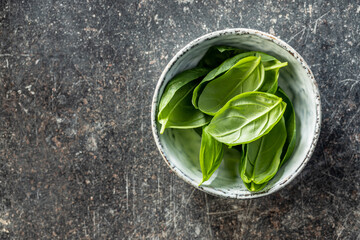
(238, 31)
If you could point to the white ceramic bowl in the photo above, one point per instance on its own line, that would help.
(180, 148)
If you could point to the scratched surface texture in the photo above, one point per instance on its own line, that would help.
(77, 156)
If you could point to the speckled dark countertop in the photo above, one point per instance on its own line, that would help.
(77, 156)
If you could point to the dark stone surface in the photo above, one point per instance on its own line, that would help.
(77, 157)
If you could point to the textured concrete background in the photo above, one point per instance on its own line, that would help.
(77, 157)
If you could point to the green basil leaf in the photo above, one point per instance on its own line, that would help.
(250, 186)
(211, 154)
(273, 88)
(230, 162)
(246, 75)
(216, 55)
(225, 66)
(265, 57)
(175, 107)
(271, 81)
(271, 75)
(262, 158)
(184, 115)
(246, 118)
(290, 122)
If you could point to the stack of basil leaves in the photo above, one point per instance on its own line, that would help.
(235, 98)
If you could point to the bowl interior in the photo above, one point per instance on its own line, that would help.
(180, 148)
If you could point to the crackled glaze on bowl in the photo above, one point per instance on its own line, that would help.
(180, 148)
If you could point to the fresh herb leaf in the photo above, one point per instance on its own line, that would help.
(230, 163)
(250, 186)
(273, 88)
(271, 75)
(290, 123)
(246, 118)
(265, 58)
(271, 81)
(245, 76)
(175, 107)
(216, 55)
(262, 158)
(225, 66)
(211, 154)
(184, 115)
